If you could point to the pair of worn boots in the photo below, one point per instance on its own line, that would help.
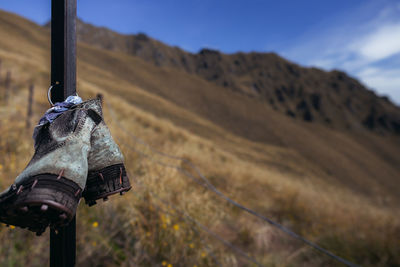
(75, 156)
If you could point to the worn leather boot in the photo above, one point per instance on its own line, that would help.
(48, 191)
(107, 175)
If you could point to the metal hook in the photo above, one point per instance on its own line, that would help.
(49, 95)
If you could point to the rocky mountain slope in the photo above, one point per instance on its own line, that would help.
(309, 94)
(334, 181)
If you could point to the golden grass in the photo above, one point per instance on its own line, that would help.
(146, 228)
(143, 230)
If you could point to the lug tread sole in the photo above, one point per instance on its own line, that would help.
(106, 182)
(39, 202)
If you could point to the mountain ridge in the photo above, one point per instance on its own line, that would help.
(309, 94)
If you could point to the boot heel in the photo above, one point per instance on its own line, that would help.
(106, 182)
(40, 201)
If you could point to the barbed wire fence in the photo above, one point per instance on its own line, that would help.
(199, 178)
(203, 181)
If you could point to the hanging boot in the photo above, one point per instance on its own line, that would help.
(107, 175)
(48, 191)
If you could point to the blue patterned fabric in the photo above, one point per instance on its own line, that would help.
(58, 109)
(55, 111)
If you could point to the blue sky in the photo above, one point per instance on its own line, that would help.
(359, 37)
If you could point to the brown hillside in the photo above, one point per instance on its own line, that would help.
(331, 98)
(362, 160)
(339, 101)
(329, 169)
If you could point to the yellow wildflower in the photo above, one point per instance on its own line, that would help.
(95, 224)
(1, 167)
(165, 219)
(169, 265)
(176, 227)
(191, 245)
(164, 263)
(203, 254)
(94, 243)
(12, 227)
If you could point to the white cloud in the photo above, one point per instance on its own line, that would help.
(379, 44)
(365, 43)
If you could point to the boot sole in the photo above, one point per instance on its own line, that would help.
(106, 182)
(41, 201)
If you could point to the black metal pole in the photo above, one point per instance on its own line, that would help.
(63, 49)
(63, 80)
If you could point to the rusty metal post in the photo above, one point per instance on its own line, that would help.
(63, 80)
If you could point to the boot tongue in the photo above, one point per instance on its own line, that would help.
(55, 111)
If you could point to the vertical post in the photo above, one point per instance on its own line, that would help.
(0, 70)
(63, 49)
(30, 102)
(63, 80)
(7, 84)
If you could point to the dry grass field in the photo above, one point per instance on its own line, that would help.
(337, 188)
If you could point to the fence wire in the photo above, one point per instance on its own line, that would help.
(186, 217)
(211, 187)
